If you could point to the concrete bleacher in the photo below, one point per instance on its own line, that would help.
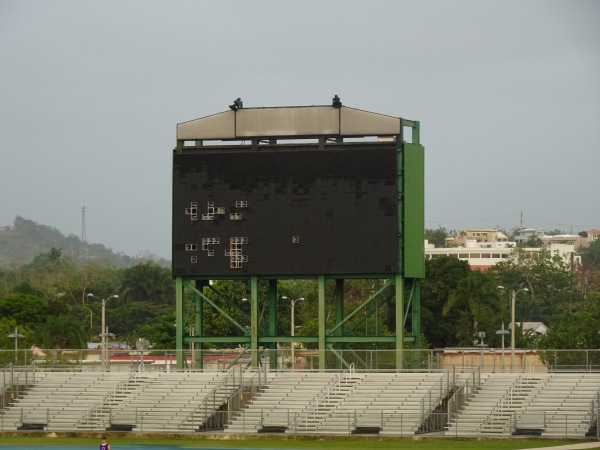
(286, 395)
(322, 403)
(163, 402)
(58, 400)
(549, 405)
(388, 403)
(562, 408)
(491, 410)
(393, 403)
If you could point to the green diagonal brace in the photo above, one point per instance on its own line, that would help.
(234, 306)
(217, 307)
(360, 307)
(236, 359)
(363, 362)
(408, 305)
(339, 356)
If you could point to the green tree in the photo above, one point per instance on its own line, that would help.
(148, 281)
(437, 236)
(442, 277)
(7, 327)
(146, 292)
(479, 307)
(551, 283)
(591, 254)
(24, 309)
(577, 331)
(60, 332)
(160, 333)
(532, 242)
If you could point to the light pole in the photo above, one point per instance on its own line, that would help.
(293, 326)
(513, 302)
(502, 332)
(105, 332)
(16, 335)
(481, 345)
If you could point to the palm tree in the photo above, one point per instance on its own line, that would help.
(148, 281)
(479, 306)
(60, 332)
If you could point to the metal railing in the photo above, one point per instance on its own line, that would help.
(331, 390)
(464, 392)
(594, 413)
(463, 359)
(433, 399)
(15, 379)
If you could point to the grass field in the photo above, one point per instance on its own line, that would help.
(118, 442)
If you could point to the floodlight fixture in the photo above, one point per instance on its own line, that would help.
(237, 104)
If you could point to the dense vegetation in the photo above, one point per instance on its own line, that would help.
(47, 300)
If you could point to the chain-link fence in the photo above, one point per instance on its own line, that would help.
(463, 359)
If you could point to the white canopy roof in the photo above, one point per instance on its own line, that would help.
(289, 122)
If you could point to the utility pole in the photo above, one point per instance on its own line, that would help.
(521, 220)
(83, 232)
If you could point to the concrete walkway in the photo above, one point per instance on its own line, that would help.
(569, 447)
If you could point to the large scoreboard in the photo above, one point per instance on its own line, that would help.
(285, 210)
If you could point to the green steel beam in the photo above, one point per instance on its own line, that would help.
(231, 303)
(254, 320)
(339, 310)
(199, 326)
(399, 327)
(416, 321)
(297, 339)
(413, 231)
(360, 307)
(339, 307)
(366, 339)
(399, 278)
(218, 339)
(272, 298)
(179, 326)
(322, 322)
(408, 305)
(236, 359)
(339, 356)
(217, 307)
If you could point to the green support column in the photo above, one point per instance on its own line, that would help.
(254, 320)
(416, 323)
(399, 321)
(322, 319)
(272, 297)
(339, 311)
(198, 327)
(180, 329)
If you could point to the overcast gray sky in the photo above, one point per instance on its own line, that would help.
(507, 92)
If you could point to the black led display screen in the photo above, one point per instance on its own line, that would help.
(285, 210)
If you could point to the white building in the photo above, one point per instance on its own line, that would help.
(565, 239)
(524, 234)
(483, 255)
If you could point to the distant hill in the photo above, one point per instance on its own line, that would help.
(26, 239)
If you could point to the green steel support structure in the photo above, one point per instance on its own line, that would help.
(332, 339)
